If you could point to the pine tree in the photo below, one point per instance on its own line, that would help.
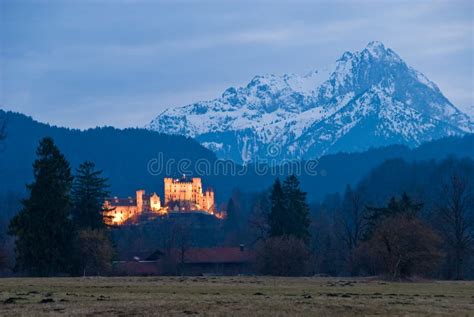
(278, 217)
(298, 220)
(43, 228)
(3, 133)
(88, 192)
(289, 214)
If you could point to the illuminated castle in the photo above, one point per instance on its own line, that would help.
(181, 195)
(187, 194)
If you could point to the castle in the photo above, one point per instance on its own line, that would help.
(181, 195)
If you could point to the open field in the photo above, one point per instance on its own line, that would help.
(224, 296)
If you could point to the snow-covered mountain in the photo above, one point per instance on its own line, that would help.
(365, 99)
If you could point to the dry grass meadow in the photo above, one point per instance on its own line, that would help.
(231, 296)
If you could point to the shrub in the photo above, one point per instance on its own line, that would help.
(283, 256)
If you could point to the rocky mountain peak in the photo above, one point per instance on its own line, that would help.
(366, 98)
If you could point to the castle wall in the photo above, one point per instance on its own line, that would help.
(120, 214)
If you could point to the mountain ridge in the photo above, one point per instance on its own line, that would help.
(371, 97)
(124, 156)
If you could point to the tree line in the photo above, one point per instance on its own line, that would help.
(402, 220)
(60, 229)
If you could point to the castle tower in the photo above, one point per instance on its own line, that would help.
(140, 194)
(208, 199)
(168, 184)
(155, 202)
(196, 190)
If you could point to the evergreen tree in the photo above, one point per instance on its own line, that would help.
(88, 192)
(289, 214)
(277, 219)
(3, 133)
(43, 228)
(298, 220)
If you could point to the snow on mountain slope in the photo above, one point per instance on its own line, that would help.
(365, 99)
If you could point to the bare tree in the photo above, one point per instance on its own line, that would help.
(402, 246)
(95, 251)
(183, 238)
(259, 220)
(2, 251)
(352, 223)
(457, 221)
(176, 240)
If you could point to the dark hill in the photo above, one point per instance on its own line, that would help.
(124, 156)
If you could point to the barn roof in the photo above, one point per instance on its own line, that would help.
(210, 255)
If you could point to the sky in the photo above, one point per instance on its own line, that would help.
(88, 63)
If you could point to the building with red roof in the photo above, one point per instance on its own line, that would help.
(194, 261)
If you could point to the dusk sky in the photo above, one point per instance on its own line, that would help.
(82, 64)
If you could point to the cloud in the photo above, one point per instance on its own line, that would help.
(136, 58)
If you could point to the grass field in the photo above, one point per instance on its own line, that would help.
(228, 296)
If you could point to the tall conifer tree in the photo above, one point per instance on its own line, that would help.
(298, 211)
(43, 227)
(278, 217)
(89, 192)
